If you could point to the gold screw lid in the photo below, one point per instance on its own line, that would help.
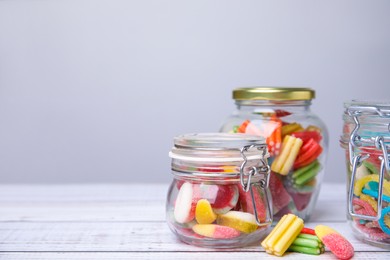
(273, 93)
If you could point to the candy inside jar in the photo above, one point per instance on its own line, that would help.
(366, 140)
(297, 141)
(219, 196)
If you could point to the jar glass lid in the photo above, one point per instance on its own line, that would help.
(273, 93)
(217, 147)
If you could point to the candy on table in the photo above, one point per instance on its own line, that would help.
(283, 235)
(308, 153)
(336, 243)
(242, 221)
(285, 160)
(307, 244)
(204, 214)
(215, 231)
(308, 231)
(305, 174)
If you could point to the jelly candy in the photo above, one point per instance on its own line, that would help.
(283, 235)
(184, 211)
(243, 221)
(336, 243)
(285, 160)
(215, 231)
(204, 214)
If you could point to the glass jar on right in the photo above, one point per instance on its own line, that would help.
(366, 141)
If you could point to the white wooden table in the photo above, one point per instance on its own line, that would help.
(127, 221)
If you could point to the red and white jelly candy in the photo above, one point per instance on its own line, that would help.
(184, 211)
(280, 197)
(336, 243)
(215, 231)
(222, 198)
(247, 204)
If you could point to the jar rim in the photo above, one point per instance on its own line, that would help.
(273, 93)
(218, 147)
(216, 141)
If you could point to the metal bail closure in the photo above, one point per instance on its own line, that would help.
(247, 183)
(356, 160)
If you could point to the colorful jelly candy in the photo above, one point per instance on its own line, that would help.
(308, 153)
(215, 231)
(384, 221)
(222, 198)
(204, 214)
(336, 243)
(280, 197)
(305, 174)
(283, 235)
(307, 244)
(243, 221)
(246, 203)
(288, 129)
(184, 211)
(289, 151)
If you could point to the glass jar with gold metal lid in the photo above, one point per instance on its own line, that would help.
(297, 141)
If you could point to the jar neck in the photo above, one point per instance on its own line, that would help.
(295, 105)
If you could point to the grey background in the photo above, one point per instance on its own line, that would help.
(95, 91)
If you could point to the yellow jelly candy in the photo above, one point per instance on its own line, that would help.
(243, 221)
(322, 231)
(204, 214)
(370, 200)
(359, 184)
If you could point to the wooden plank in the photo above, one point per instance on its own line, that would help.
(123, 211)
(114, 236)
(182, 255)
(114, 192)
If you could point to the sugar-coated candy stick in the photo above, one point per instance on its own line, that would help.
(215, 231)
(306, 174)
(307, 244)
(309, 231)
(289, 152)
(291, 128)
(306, 250)
(336, 243)
(384, 220)
(283, 235)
